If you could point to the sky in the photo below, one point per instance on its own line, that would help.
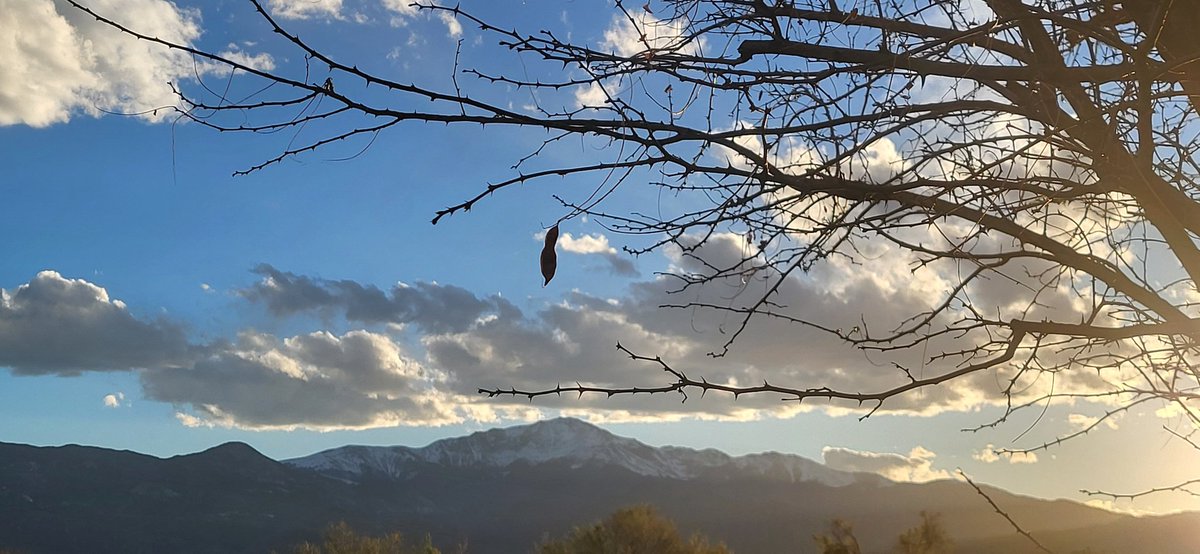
(153, 301)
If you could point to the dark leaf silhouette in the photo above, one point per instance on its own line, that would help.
(549, 257)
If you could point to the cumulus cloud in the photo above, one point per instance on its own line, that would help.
(989, 455)
(55, 325)
(114, 400)
(320, 380)
(60, 62)
(434, 307)
(915, 467)
(586, 244)
(306, 9)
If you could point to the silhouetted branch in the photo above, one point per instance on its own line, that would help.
(1004, 514)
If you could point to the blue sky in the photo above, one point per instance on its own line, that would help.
(312, 304)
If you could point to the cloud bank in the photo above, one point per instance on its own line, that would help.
(316, 381)
(418, 353)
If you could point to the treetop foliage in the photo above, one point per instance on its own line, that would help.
(632, 530)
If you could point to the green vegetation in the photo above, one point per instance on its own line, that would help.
(840, 540)
(633, 530)
(340, 538)
(927, 538)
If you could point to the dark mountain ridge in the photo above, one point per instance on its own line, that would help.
(503, 490)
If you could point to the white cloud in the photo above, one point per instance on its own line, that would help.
(629, 36)
(403, 8)
(989, 455)
(592, 95)
(59, 61)
(596, 244)
(261, 61)
(916, 467)
(114, 400)
(1081, 421)
(586, 244)
(453, 28)
(306, 9)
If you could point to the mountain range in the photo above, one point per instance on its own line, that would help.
(503, 490)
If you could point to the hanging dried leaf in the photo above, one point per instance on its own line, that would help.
(549, 257)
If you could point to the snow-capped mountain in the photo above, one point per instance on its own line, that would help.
(570, 441)
(505, 490)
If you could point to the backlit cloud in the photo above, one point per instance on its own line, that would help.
(487, 342)
(989, 455)
(915, 467)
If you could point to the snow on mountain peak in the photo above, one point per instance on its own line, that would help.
(563, 440)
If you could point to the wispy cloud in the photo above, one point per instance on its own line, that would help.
(404, 11)
(306, 9)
